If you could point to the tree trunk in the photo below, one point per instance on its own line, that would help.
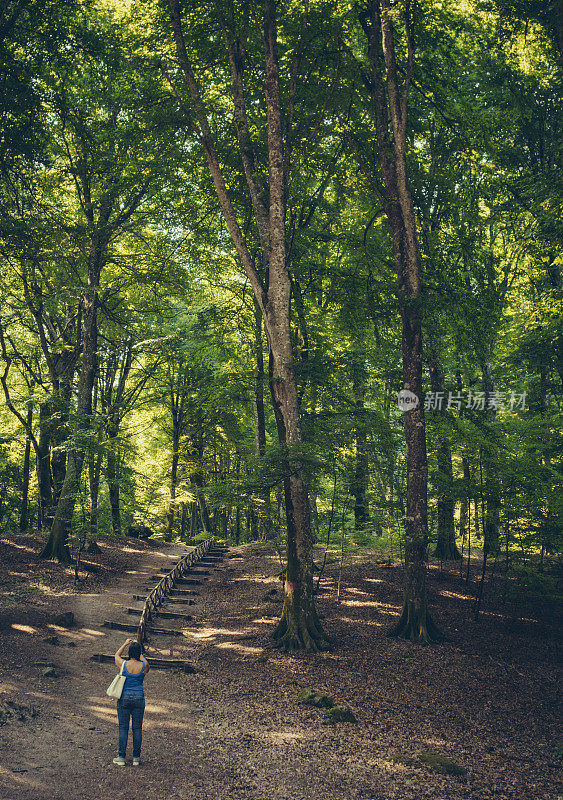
(390, 100)
(361, 469)
(492, 486)
(299, 625)
(446, 547)
(56, 546)
(112, 477)
(25, 477)
(44, 466)
(265, 515)
(94, 470)
(183, 520)
(173, 479)
(59, 408)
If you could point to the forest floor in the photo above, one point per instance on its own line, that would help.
(486, 699)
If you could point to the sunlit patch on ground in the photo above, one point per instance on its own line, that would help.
(371, 623)
(210, 633)
(240, 648)
(20, 778)
(354, 590)
(366, 604)
(23, 628)
(456, 595)
(17, 546)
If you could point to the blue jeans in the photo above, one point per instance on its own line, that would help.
(130, 706)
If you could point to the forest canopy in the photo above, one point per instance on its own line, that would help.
(284, 272)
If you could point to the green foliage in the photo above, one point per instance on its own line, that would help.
(98, 142)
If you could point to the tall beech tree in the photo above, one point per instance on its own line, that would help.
(265, 260)
(389, 94)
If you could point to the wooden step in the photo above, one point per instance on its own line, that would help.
(167, 599)
(155, 663)
(124, 626)
(173, 615)
(188, 581)
(165, 614)
(184, 592)
(197, 571)
(121, 626)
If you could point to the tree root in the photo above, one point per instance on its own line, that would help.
(447, 551)
(417, 627)
(62, 554)
(303, 634)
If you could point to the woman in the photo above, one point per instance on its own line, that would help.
(131, 704)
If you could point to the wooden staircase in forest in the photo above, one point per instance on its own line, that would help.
(206, 557)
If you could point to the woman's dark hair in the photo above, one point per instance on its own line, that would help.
(134, 650)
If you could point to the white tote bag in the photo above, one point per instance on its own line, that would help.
(116, 686)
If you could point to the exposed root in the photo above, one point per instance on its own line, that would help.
(291, 634)
(417, 626)
(447, 551)
(62, 554)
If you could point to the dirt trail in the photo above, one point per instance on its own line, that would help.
(234, 729)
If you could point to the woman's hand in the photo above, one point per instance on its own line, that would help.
(118, 656)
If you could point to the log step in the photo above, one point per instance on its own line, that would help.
(165, 614)
(173, 615)
(184, 592)
(157, 663)
(197, 571)
(121, 626)
(167, 599)
(188, 581)
(164, 631)
(124, 626)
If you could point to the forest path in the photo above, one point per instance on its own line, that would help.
(234, 729)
